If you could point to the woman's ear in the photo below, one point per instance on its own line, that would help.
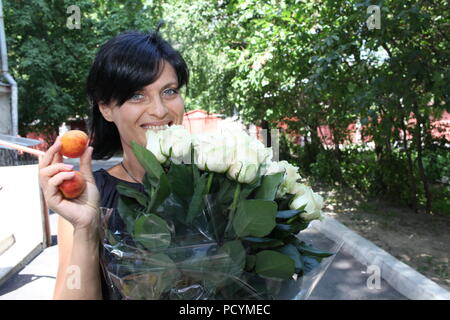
(106, 111)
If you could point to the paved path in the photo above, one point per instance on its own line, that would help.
(344, 279)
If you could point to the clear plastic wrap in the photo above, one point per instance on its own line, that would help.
(198, 234)
(185, 262)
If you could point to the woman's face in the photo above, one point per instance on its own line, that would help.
(157, 104)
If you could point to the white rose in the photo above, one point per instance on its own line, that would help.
(274, 167)
(249, 153)
(154, 145)
(243, 172)
(312, 202)
(176, 144)
(290, 178)
(213, 152)
(265, 155)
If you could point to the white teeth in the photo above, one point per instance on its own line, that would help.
(156, 128)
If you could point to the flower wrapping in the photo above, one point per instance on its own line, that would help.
(217, 220)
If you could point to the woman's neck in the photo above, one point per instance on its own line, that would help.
(133, 168)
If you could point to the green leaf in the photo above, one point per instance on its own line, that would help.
(236, 252)
(286, 214)
(308, 250)
(161, 193)
(274, 264)
(291, 251)
(294, 227)
(147, 160)
(255, 218)
(250, 263)
(195, 173)
(256, 242)
(269, 186)
(131, 192)
(181, 182)
(247, 189)
(225, 189)
(129, 210)
(150, 182)
(196, 205)
(173, 208)
(152, 232)
(216, 267)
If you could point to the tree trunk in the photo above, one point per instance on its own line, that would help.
(418, 140)
(412, 181)
(338, 154)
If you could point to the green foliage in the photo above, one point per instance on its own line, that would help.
(441, 203)
(320, 63)
(50, 61)
(307, 63)
(437, 163)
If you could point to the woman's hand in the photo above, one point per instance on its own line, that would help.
(82, 212)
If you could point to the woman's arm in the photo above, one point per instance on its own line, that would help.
(78, 271)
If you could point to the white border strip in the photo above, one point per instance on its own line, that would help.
(400, 276)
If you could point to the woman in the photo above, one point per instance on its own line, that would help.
(133, 86)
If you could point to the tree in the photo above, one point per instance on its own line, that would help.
(319, 62)
(51, 61)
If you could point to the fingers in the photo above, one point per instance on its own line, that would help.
(56, 180)
(48, 172)
(57, 158)
(47, 158)
(86, 164)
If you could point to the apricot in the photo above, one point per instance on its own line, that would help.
(73, 143)
(72, 188)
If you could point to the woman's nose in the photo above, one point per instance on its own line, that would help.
(158, 109)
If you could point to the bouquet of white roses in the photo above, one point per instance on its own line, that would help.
(218, 219)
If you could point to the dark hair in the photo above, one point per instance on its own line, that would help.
(123, 65)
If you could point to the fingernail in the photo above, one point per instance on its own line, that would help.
(68, 166)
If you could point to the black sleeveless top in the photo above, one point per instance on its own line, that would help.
(109, 197)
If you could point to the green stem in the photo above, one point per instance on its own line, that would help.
(233, 207)
(235, 197)
(208, 184)
(213, 219)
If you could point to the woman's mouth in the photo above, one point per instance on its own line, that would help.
(156, 128)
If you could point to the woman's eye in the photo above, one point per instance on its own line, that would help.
(137, 97)
(170, 92)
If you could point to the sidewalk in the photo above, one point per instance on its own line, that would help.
(37, 280)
